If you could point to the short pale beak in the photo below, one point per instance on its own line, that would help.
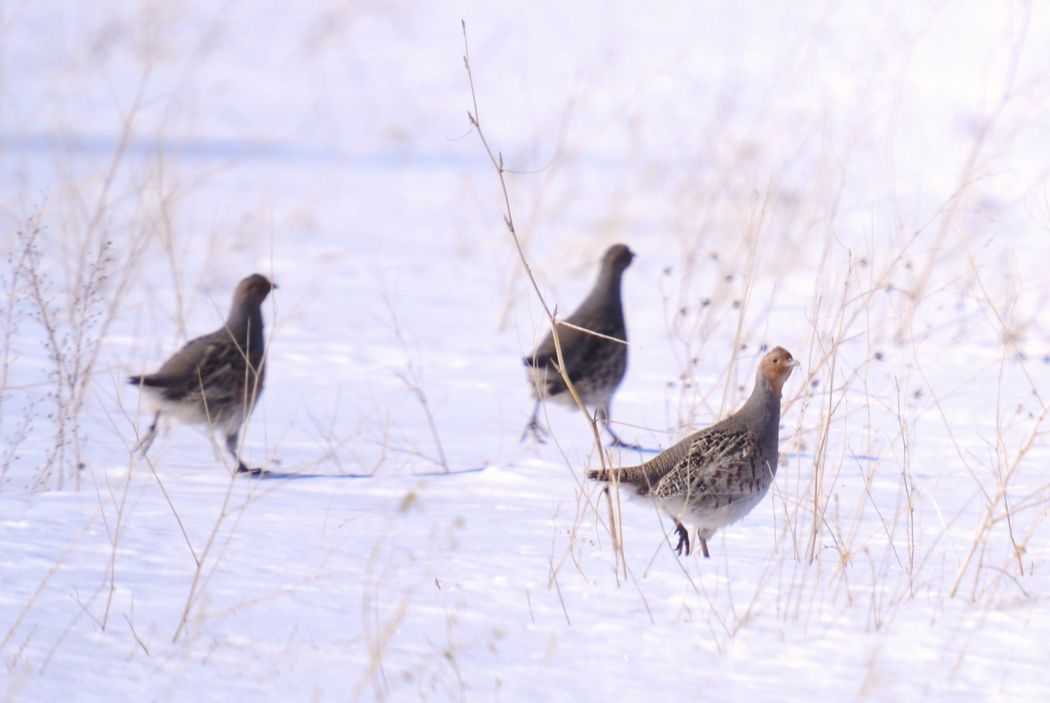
(794, 364)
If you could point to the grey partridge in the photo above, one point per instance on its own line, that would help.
(594, 364)
(717, 475)
(216, 379)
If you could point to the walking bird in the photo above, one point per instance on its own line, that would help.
(596, 363)
(716, 476)
(215, 380)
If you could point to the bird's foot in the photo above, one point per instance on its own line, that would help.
(538, 432)
(683, 540)
(618, 443)
(255, 472)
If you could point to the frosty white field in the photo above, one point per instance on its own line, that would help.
(865, 186)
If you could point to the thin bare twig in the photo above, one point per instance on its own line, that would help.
(413, 380)
(508, 219)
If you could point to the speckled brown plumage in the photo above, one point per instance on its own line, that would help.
(215, 379)
(596, 366)
(716, 476)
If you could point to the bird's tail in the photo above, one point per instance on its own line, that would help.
(144, 380)
(623, 474)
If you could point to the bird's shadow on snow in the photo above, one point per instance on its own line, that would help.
(269, 475)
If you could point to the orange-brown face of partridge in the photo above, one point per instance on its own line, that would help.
(776, 367)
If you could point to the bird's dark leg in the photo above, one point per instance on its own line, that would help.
(242, 468)
(683, 539)
(601, 414)
(534, 427)
(703, 546)
(147, 439)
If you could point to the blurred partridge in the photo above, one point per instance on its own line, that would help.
(595, 365)
(215, 380)
(714, 477)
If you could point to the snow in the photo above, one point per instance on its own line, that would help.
(863, 184)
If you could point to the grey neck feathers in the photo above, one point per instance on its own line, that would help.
(606, 292)
(761, 413)
(246, 324)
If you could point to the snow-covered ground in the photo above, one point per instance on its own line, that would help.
(864, 185)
